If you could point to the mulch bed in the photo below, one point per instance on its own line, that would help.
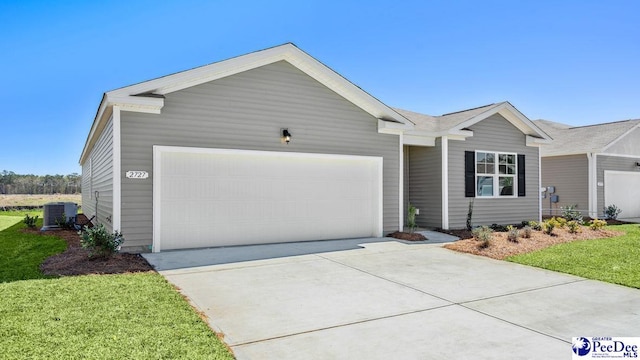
(76, 261)
(407, 236)
(501, 248)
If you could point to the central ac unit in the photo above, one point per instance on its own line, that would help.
(56, 212)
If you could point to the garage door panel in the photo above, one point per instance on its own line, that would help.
(622, 188)
(212, 197)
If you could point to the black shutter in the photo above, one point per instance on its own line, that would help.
(469, 174)
(521, 181)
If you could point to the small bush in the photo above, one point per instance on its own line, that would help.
(64, 222)
(483, 234)
(612, 212)
(411, 217)
(597, 224)
(30, 221)
(100, 242)
(535, 225)
(513, 233)
(574, 227)
(571, 213)
(549, 225)
(560, 222)
(498, 228)
(526, 232)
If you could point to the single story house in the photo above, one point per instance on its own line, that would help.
(592, 167)
(274, 146)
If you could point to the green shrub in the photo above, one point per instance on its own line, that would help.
(100, 242)
(597, 224)
(498, 228)
(526, 232)
(30, 221)
(483, 234)
(64, 222)
(411, 217)
(571, 213)
(574, 227)
(560, 221)
(612, 212)
(513, 233)
(549, 225)
(535, 225)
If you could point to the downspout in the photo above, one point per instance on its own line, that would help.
(401, 185)
(117, 200)
(539, 186)
(592, 183)
(445, 182)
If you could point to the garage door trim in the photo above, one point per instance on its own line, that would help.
(159, 150)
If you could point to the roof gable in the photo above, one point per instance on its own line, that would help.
(458, 123)
(585, 139)
(148, 96)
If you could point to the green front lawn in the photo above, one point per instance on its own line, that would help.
(613, 260)
(8, 221)
(131, 316)
(22, 253)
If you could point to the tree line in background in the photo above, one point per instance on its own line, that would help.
(12, 183)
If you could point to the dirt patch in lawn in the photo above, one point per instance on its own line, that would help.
(76, 261)
(407, 236)
(501, 248)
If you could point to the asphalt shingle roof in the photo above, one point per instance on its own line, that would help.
(569, 140)
(443, 122)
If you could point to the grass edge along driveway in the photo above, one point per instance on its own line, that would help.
(129, 316)
(614, 260)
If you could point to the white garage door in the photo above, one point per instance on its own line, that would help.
(622, 189)
(220, 197)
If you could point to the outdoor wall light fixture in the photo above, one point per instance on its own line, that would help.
(638, 164)
(286, 135)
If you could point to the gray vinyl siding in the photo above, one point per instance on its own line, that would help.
(614, 163)
(570, 176)
(247, 111)
(424, 189)
(628, 145)
(97, 175)
(492, 134)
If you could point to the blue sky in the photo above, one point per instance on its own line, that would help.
(576, 62)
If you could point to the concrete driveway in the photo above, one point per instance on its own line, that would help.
(393, 300)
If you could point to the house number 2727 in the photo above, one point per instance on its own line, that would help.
(137, 174)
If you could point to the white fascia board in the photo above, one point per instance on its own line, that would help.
(544, 153)
(103, 114)
(535, 141)
(151, 105)
(418, 140)
(620, 137)
(619, 155)
(394, 128)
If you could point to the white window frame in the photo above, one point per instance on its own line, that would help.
(496, 175)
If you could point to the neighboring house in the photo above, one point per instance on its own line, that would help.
(274, 146)
(593, 166)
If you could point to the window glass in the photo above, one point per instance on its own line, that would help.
(485, 186)
(506, 185)
(495, 174)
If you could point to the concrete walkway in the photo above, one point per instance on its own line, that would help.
(391, 300)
